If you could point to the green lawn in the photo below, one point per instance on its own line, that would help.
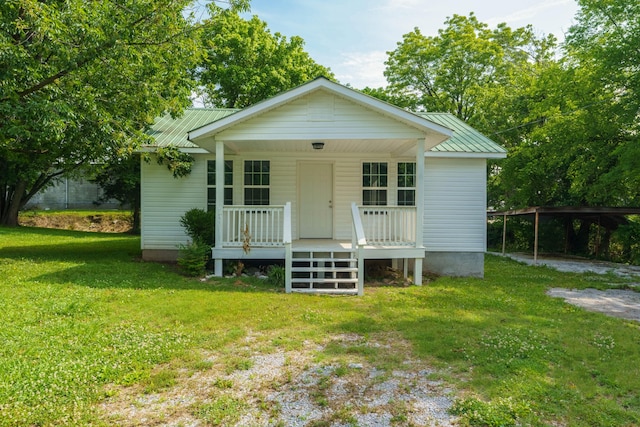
(81, 314)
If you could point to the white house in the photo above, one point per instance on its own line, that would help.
(323, 177)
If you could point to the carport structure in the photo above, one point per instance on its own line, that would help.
(608, 217)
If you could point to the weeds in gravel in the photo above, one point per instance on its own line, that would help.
(224, 410)
(83, 318)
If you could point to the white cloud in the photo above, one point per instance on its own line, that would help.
(362, 69)
(537, 14)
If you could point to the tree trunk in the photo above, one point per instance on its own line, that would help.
(135, 229)
(9, 217)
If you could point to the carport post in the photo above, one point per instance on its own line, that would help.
(504, 233)
(535, 239)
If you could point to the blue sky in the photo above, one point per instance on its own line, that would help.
(352, 36)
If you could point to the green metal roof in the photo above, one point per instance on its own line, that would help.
(173, 132)
(465, 139)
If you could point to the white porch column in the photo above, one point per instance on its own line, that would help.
(217, 263)
(417, 269)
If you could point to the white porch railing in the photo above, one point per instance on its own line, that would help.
(389, 225)
(255, 226)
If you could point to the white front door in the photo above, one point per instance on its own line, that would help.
(316, 200)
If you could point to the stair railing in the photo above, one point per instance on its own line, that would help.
(359, 240)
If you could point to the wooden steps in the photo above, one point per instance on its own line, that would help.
(334, 272)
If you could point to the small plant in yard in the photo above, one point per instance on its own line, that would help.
(160, 380)
(503, 412)
(225, 410)
(193, 257)
(276, 275)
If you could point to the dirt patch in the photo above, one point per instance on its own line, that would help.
(291, 388)
(104, 223)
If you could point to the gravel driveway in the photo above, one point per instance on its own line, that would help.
(292, 388)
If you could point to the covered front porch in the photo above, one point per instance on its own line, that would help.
(320, 165)
(320, 265)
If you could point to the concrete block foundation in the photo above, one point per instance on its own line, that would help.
(457, 264)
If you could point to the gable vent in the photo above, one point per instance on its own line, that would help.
(321, 108)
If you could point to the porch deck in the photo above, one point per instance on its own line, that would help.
(320, 265)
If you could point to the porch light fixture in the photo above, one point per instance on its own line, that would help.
(318, 145)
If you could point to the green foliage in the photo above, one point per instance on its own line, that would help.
(276, 275)
(81, 83)
(193, 257)
(199, 225)
(245, 63)
(503, 412)
(625, 243)
(463, 70)
(178, 162)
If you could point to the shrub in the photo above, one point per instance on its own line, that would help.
(276, 275)
(199, 225)
(193, 257)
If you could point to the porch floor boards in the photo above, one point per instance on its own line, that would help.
(331, 245)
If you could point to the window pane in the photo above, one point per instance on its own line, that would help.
(406, 197)
(406, 174)
(374, 174)
(211, 172)
(211, 196)
(374, 197)
(256, 196)
(228, 172)
(228, 196)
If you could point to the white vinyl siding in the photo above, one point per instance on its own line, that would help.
(455, 205)
(455, 197)
(320, 114)
(164, 199)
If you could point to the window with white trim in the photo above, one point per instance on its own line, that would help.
(256, 182)
(211, 183)
(406, 184)
(374, 183)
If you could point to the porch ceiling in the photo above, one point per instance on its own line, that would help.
(395, 147)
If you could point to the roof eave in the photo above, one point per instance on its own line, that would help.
(465, 154)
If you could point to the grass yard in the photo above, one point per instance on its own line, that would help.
(84, 321)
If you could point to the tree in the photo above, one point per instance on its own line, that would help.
(606, 40)
(465, 69)
(245, 63)
(578, 142)
(80, 82)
